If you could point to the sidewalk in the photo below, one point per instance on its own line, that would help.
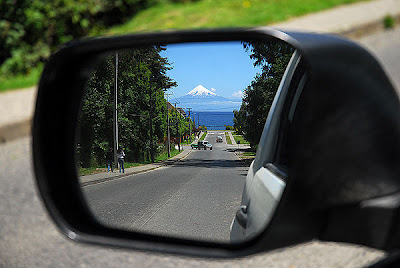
(108, 176)
(16, 112)
(352, 21)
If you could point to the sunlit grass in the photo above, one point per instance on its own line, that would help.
(203, 136)
(164, 156)
(100, 169)
(8, 82)
(222, 13)
(249, 154)
(240, 139)
(228, 138)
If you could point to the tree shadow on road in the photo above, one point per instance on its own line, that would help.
(207, 163)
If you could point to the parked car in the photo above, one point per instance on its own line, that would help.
(194, 146)
(204, 145)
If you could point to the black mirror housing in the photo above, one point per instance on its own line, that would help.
(345, 147)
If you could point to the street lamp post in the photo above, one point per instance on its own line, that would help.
(115, 112)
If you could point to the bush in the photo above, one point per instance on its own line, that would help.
(31, 29)
(228, 127)
(388, 22)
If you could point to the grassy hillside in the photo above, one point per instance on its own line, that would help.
(221, 13)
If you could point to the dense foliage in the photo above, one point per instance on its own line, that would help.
(31, 29)
(142, 117)
(273, 58)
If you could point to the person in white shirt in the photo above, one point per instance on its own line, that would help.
(121, 157)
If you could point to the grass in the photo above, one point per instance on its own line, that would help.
(203, 136)
(95, 170)
(222, 13)
(128, 164)
(21, 81)
(249, 154)
(239, 138)
(388, 22)
(164, 155)
(228, 138)
(89, 171)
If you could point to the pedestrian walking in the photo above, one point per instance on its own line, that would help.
(121, 159)
(110, 161)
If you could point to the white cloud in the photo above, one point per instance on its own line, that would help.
(213, 89)
(237, 95)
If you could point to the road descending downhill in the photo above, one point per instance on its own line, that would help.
(195, 198)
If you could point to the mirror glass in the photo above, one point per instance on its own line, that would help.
(167, 133)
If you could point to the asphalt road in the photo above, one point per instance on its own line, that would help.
(385, 46)
(195, 198)
(28, 237)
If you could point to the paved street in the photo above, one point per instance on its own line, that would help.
(195, 198)
(386, 48)
(28, 238)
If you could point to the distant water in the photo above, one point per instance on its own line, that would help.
(213, 120)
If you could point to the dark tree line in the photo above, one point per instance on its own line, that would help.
(273, 58)
(142, 122)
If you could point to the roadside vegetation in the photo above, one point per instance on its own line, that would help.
(272, 58)
(187, 140)
(389, 22)
(32, 30)
(103, 168)
(8, 82)
(222, 13)
(246, 155)
(142, 109)
(203, 136)
(228, 138)
(240, 139)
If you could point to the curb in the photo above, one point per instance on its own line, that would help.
(15, 130)
(164, 163)
(358, 31)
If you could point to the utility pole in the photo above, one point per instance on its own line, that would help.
(194, 123)
(168, 137)
(190, 126)
(177, 129)
(115, 112)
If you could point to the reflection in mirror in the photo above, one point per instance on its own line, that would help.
(167, 133)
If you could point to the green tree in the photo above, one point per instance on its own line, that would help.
(273, 58)
(31, 29)
(142, 81)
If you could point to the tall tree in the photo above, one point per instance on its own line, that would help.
(273, 58)
(142, 81)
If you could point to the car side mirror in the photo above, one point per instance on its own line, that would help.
(328, 144)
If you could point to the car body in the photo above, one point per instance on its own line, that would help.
(204, 145)
(194, 146)
(219, 139)
(264, 186)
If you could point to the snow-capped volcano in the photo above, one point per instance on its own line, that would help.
(203, 99)
(201, 91)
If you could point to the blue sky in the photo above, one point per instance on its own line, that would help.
(223, 67)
